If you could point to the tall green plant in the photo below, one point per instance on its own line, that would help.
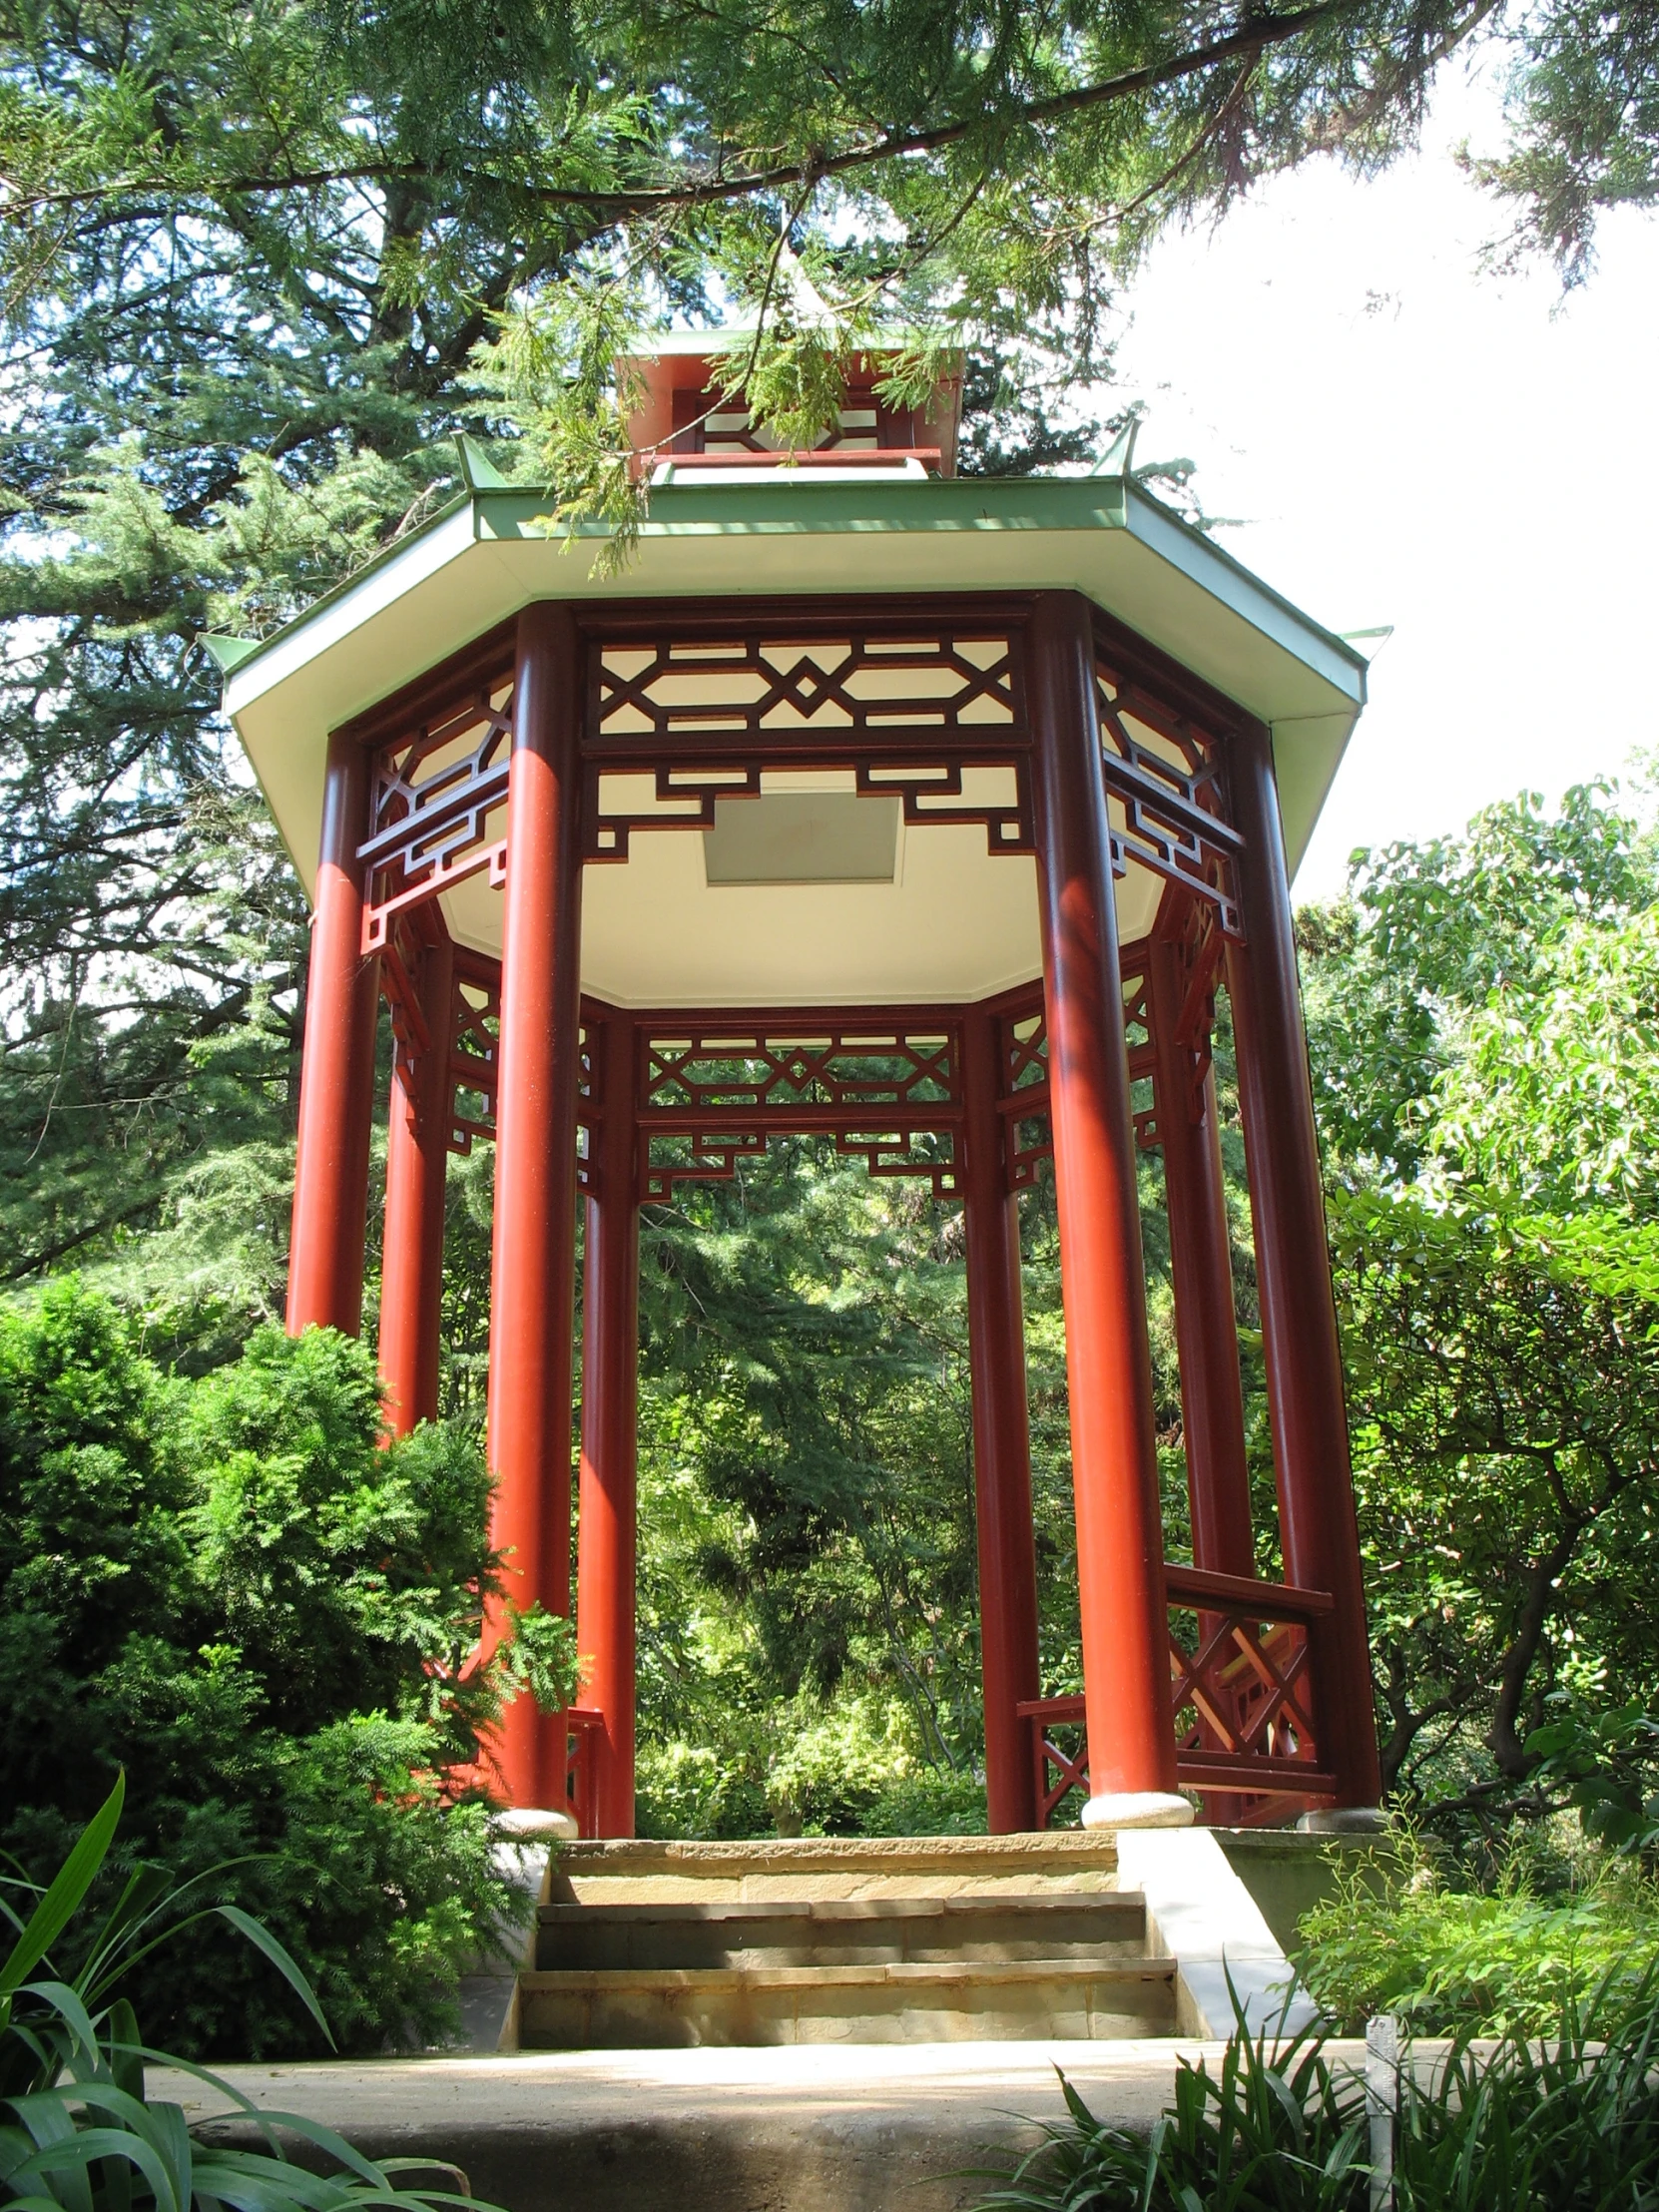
(231, 1588)
(1568, 2121)
(83, 2133)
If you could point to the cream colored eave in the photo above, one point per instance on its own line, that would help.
(487, 555)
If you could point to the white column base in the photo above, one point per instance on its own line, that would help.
(1138, 1809)
(525, 1824)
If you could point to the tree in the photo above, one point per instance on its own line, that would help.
(1483, 1017)
(249, 257)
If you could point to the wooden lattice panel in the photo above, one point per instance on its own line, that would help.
(713, 1094)
(474, 1052)
(918, 717)
(1240, 1689)
(1024, 1103)
(850, 1068)
(1165, 797)
(431, 800)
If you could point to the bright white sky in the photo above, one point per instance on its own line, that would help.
(1410, 441)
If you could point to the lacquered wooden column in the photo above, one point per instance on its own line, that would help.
(417, 1156)
(1001, 1434)
(336, 1072)
(1120, 1566)
(532, 1291)
(606, 1552)
(1298, 1322)
(1201, 1265)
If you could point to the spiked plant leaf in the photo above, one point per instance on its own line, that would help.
(82, 2134)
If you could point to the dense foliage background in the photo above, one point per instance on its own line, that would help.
(257, 261)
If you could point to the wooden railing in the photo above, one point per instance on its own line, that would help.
(1240, 1684)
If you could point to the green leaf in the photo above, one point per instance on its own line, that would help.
(263, 1940)
(74, 1879)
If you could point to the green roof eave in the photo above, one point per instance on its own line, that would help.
(813, 508)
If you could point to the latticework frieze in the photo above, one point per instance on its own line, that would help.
(917, 717)
(474, 1050)
(431, 800)
(1165, 794)
(868, 684)
(713, 1094)
(692, 1152)
(852, 1067)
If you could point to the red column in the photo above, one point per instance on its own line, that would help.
(610, 1384)
(1299, 1322)
(1201, 1264)
(1001, 1436)
(336, 1075)
(533, 1290)
(417, 1155)
(1120, 1568)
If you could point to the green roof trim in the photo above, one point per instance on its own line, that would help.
(478, 471)
(801, 505)
(229, 653)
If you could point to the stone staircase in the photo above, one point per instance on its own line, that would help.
(643, 1945)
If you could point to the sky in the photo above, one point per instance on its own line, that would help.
(1410, 441)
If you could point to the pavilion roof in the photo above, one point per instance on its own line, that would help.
(488, 552)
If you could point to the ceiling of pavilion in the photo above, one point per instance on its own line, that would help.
(953, 923)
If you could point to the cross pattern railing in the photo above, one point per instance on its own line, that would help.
(1239, 1661)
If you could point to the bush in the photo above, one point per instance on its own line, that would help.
(930, 1801)
(1396, 1937)
(229, 1587)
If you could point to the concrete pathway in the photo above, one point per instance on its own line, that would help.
(852, 2128)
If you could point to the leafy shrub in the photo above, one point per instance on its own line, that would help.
(230, 1587)
(930, 1801)
(1394, 1936)
(688, 1792)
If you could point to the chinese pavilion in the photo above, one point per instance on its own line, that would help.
(924, 811)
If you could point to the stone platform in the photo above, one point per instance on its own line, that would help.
(894, 2129)
(841, 1941)
(892, 2097)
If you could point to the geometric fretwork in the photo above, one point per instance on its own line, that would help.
(1023, 1100)
(474, 1044)
(801, 688)
(430, 800)
(1164, 795)
(918, 717)
(714, 1090)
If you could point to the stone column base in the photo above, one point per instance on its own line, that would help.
(1138, 1809)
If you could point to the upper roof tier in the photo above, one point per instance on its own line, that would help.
(683, 425)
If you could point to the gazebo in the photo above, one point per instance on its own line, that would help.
(927, 813)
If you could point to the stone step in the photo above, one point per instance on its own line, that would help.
(828, 1931)
(797, 1868)
(889, 2002)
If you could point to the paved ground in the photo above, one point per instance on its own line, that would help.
(860, 2128)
